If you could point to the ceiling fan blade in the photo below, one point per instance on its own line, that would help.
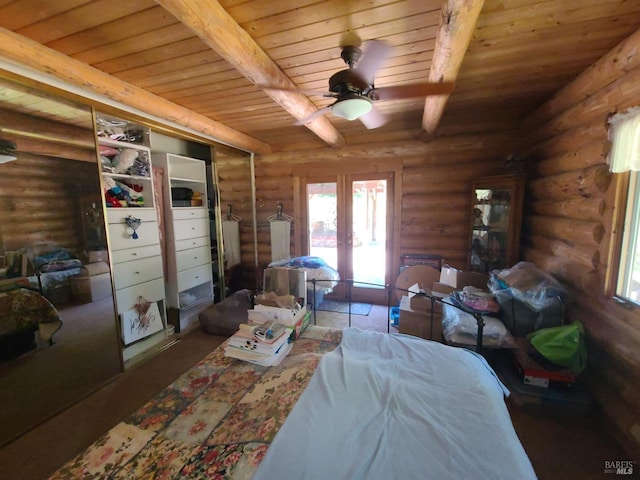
(401, 92)
(374, 118)
(374, 56)
(314, 115)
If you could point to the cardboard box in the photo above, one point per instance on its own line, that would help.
(462, 278)
(95, 256)
(301, 326)
(532, 373)
(442, 290)
(285, 316)
(419, 322)
(418, 298)
(286, 281)
(422, 275)
(86, 289)
(92, 269)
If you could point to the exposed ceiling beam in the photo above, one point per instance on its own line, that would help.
(457, 24)
(46, 129)
(215, 27)
(26, 52)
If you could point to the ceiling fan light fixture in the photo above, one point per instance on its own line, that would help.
(352, 107)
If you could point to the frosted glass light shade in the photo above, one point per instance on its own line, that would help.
(352, 107)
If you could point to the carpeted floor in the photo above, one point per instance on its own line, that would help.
(44, 381)
(343, 307)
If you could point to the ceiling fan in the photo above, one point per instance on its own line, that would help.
(354, 89)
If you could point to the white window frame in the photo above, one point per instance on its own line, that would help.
(629, 257)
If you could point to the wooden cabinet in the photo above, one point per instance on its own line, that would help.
(496, 217)
(189, 284)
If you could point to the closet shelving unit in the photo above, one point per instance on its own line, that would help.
(189, 283)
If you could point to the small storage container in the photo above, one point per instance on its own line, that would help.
(394, 316)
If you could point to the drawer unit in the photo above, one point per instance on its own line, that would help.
(191, 228)
(137, 271)
(194, 276)
(152, 291)
(192, 243)
(129, 254)
(187, 213)
(189, 285)
(119, 215)
(193, 257)
(135, 253)
(121, 236)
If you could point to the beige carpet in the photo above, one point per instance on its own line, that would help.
(42, 382)
(375, 320)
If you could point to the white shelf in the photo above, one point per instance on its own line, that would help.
(189, 287)
(125, 176)
(186, 180)
(127, 179)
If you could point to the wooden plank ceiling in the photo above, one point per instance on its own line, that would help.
(207, 57)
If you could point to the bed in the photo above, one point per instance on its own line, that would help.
(344, 404)
(51, 267)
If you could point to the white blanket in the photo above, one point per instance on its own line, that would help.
(397, 407)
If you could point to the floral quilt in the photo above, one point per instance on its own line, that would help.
(22, 308)
(216, 421)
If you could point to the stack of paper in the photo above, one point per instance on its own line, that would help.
(267, 348)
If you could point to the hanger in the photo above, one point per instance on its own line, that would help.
(279, 216)
(231, 216)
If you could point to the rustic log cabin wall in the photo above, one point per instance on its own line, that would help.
(40, 191)
(434, 197)
(569, 224)
(40, 201)
(234, 177)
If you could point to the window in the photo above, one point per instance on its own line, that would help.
(628, 282)
(624, 160)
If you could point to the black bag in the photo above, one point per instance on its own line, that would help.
(180, 193)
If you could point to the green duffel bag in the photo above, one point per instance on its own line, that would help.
(563, 346)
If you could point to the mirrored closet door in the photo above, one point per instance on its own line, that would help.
(58, 339)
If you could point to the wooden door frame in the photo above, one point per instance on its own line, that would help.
(302, 175)
(360, 293)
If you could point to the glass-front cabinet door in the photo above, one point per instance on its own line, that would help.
(496, 215)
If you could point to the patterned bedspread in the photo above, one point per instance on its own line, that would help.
(215, 421)
(22, 308)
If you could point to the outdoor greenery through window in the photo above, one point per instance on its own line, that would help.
(628, 285)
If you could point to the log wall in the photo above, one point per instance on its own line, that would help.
(434, 181)
(234, 186)
(40, 191)
(44, 206)
(569, 224)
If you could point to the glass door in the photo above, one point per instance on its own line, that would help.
(322, 220)
(348, 226)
